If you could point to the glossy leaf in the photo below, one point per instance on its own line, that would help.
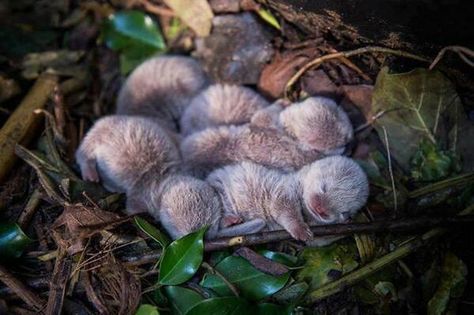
(291, 293)
(128, 28)
(452, 283)
(182, 299)
(268, 17)
(222, 306)
(420, 104)
(252, 283)
(282, 258)
(12, 241)
(182, 258)
(325, 264)
(147, 309)
(152, 231)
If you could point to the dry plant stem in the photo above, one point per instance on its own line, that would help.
(460, 50)
(371, 49)
(405, 225)
(212, 270)
(58, 283)
(369, 269)
(22, 125)
(461, 180)
(390, 169)
(30, 209)
(23, 292)
(91, 294)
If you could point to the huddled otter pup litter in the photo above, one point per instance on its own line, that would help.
(263, 167)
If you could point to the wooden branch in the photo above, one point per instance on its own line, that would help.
(22, 291)
(404, 225)
(346, 54)
(22, 125)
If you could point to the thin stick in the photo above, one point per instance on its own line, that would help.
(371, 49)
(390, 169)
(404, 225)
(23, 292)
(30, 209)
(460, 50)
(58, 283)
(461, 180)
(369, 269)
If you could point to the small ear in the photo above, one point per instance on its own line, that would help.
(319, 204)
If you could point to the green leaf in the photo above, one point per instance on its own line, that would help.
(251, 282)
(147, 309)
(417, 105)
(182, 299)
(324, 264)
(182, 258)
(152, 231)
(134, 35)
(430, 163)
(268, 17)
(282, 258)
(127, 28)
(13, 241)
(452, 283)
(221, 306)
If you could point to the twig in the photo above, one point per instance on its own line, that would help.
(30, 209)
(21, 126)
(57, 287)
(460, 50)
(405, 225)
(463, 179)
(212, 270)
(371, 49)
(369, 269)
(23, 292)
(390, 169)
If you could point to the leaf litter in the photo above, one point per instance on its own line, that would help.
(413, 141)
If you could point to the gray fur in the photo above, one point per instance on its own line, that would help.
(285, 138)
(250, 192)
(161, 88)
(221, 104)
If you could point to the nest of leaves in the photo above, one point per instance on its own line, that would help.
(66, 245)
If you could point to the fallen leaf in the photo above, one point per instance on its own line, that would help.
(262, 263)
(12, 241)
(318, 83)
(417, 105)
(197, 14)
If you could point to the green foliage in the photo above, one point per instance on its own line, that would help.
(134, 35)
(222, 306)
(182, 258)
(152, 231)
(268, 17)
(182, 299)
(252, 283)
(452, 283)
(322, 264)
(147, 309)
(282, 258)
(430, 163)
(12, 241)
(417, 105)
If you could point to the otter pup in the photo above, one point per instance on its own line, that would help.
(284, 138)
(162, 87)
(221, 104)
(327, 191)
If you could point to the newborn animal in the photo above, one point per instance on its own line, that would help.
(162, 87)
(286, 138)
(327, 191)
(221, 104)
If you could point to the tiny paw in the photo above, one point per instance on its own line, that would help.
(302, 233)
(230, 220)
